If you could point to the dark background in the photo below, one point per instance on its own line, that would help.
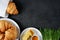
(37, 13)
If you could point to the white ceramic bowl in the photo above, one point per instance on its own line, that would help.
(14, 23)
(36, 31)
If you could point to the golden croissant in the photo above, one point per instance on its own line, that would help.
(7, 31)
(11, 9)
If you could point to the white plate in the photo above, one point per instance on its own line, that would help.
(14, 23)
(36, 31)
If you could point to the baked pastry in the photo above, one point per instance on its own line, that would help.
(7, 31)
(11, 9)
(27, 35)
(1, 36)
(2, 27)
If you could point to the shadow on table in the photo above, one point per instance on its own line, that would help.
(19, 5)
(21, 26)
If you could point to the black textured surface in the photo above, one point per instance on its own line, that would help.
(37, 13)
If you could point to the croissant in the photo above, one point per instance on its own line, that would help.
(11, 9)
(7, 31)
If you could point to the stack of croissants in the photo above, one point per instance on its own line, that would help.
(11, 9)
(7, 31)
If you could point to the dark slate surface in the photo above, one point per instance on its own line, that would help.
(37, 13)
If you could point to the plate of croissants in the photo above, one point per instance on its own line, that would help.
(9, 29)
(31, 34)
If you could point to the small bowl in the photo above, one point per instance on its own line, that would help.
(36, 31)
(14, 23)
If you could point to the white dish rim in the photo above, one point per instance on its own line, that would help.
(31, 28)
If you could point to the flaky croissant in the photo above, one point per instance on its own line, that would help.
(11, 9)
(7, 31)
